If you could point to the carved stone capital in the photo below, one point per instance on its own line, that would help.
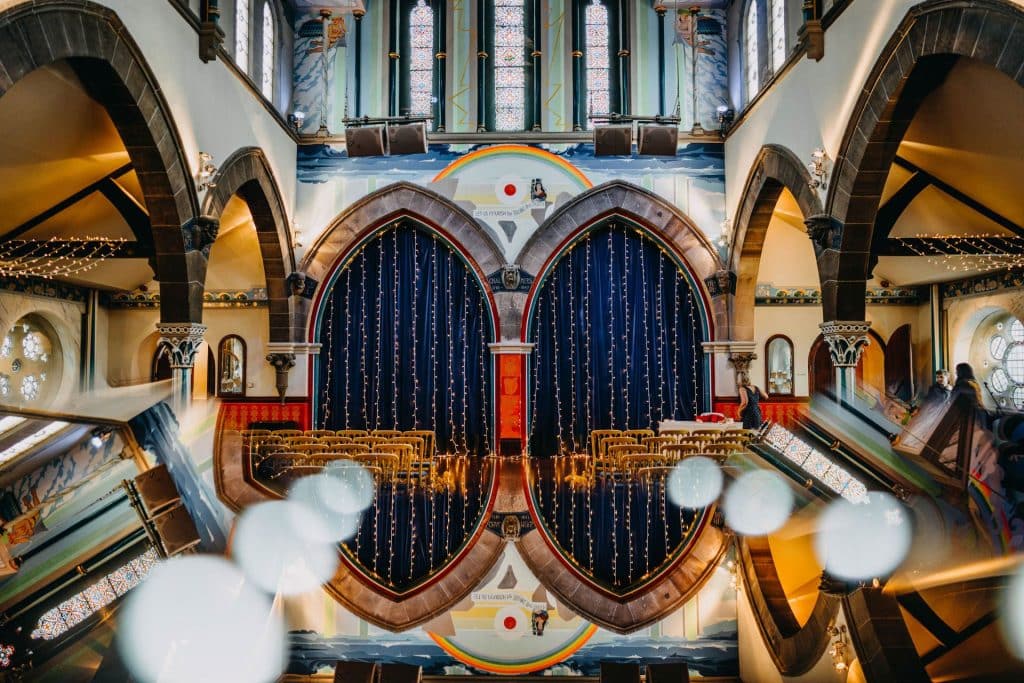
(741, 363)
(721, 283)
(282, 363)
(846, 341)
(824, 231)
(183, 340)
(200, 234)
(299, 283)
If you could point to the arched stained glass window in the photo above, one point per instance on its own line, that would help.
(509, 65)
(597, 42)
(1006, 362)
(751, 67)
(267, 60)
(777, 27)
(421, 64)
(242, 34)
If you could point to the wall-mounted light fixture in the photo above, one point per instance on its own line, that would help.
(819, 169)
(296, 119)
(207, 170)
(837, 648)
(726, 115)
(296, 236)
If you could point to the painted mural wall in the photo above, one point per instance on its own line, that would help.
(510, 189)
(498, 630)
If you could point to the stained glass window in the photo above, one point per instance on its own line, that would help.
(98, 595)
(509, 65)
(1006, 360)
(597, 41)
(815, 463)
(267, 82)
(750, 51)
(777, 27)
(242, 34)
(28, 355)
(421, 64)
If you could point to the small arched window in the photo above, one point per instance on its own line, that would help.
(777, 33)
(267, 57)
(421, 63)
(231, 363)
(242, 34)
(751, 65)
(778, 353)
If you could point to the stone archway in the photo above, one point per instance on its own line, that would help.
(775, 169)
(247, 173)
(632, 203)
(915, 60)
(97, 45)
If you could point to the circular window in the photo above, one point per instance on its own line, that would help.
(1006, 351)
(29, 363)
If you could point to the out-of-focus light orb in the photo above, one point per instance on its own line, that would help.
(1012, 609)
(325, 495)
(272, 546)
(352, 488)
(695, 482)
(195, 619)
(863, 541)
(758, 503)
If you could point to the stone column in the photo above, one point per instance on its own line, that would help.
(846, 341)
(183, 340)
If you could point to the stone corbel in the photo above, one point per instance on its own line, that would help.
(200, 234)
(723, 282)
(846, 341)
(283, 358)
(741, 362)
(211, 36)
(824, 232)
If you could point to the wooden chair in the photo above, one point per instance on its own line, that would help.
(617, 452)
(287, 463)
(417, 443)
(675, 434)
(638, 434)
(631, 463)
(307, 448)
(737, 434)
(386, 433)
(287, 432)
(654, 444)
(250, 433)
(371, 442)
(711, 434)
(350, 448)
(351, 433)
(300, 440)
(599, 435)
(318, 433)
(676, 452)
(386, 463)
(429, 441)
(404, 451)
(331, 441)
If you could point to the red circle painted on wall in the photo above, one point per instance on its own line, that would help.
(510, 190)
(509, 623)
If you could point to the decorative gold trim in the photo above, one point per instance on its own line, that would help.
(441, 55)
(535, 53)
(577, 54)
(358, 13)
(623, 53)
(482, 54)
(393, 55)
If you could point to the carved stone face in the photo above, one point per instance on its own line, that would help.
(510, 277)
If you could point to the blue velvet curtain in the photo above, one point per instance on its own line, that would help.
(617, 330)
(405, 331)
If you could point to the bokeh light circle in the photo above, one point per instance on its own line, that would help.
(272, 544)
(758, 503)
(196, 618)
(325, 495)
(859, 541)
(696, 482)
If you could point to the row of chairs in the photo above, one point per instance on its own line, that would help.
(423, 441)
(629, 451)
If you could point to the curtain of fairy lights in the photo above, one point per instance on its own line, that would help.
(617, 332)
(405, 332)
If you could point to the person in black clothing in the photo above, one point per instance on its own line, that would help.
(941, 391)
(966, 391)
(750, 403)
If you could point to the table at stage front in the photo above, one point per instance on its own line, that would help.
(690, 425)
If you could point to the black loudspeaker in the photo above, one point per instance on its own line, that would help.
(366, 141)
(176, 530)
(613, 140)
(156, 488)
(661, 139)
(408, 138)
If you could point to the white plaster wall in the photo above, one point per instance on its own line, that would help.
(810, 106)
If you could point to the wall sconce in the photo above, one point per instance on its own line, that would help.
(296, 119)
(734, 578)
(819, 169)
(725, 238)
(296, 236)
(726, 115)
(837, 649)
(206, 172)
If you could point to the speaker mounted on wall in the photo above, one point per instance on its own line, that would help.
(613, 140)
(366, 141)
(658, 139)
(408, 138)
